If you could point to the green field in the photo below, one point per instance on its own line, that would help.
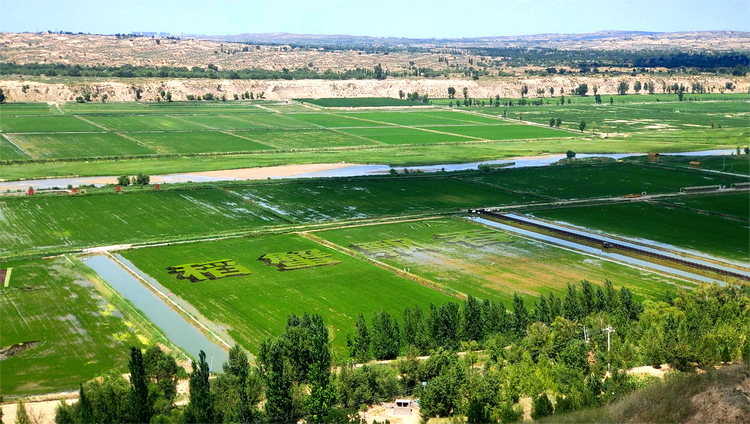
(574, 182)
(367, 198)
(409, 136)
(10, 152)
(738, 164)
(75, 334)
(359, 102)
(401, 135)
(492, 268)
(42, 146)
(255, 306)
(686, 229)
(197, 142)
(66, 222)
(20, 124)
(737, 204)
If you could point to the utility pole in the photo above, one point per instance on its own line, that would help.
(609, 331)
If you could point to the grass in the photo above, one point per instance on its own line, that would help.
(686, 229)
(738, 164)
(366, 198)
(143, 123)
(256, 306)
(359, 102)
(305, 139)
(496, 271)
(332, 120)
(197, 142)
(573, 182)
(79, 334)
(508, 132)
(43, 146)
(20, 124)
(401, 135)
(52, 223)
(737, 204)
(10, 109)
(395, 155)
(8, 151)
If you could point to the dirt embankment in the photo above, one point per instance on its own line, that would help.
(123, 90)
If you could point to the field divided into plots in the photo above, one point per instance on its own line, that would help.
(50, 223)
(125, 130)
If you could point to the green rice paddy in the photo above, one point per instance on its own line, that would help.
(42, 224)
(71, 333)
(715, 235)
(254, 307)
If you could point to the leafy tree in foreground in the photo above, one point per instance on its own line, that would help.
(359, 345)
(200, 408)
(385, 336)
(541, 407)
(22, 416)
(477, 412)
(140, 409)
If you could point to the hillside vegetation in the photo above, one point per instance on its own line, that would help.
(721, 396)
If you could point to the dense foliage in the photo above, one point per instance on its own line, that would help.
(555, 350)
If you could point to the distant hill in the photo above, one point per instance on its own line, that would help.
(718, 40)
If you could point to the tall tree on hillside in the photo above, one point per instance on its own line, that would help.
(401, 94)
(466, 93)
(359, 345)
(571, 305)
(637, 87)
(385, 336)
(200, 408)
(451, 92)
(524, 90)
(472, 322)
(85, 409)
(279, 394)
(139, 407)
(520, 315)
(22, 416)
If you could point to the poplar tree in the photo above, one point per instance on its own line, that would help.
(139, 406)
(200, 408)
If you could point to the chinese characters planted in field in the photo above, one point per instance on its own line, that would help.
(475, 238)
(300, 259)
(390, 248)
(213, 270)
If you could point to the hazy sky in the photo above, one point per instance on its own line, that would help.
(416, 18)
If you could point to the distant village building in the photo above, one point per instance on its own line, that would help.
(653, 157)
(695, 164)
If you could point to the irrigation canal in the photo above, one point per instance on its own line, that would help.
(178, 329)
(347, 171)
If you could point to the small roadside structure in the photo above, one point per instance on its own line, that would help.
(403, 407)
(695, 164)
(653, 157)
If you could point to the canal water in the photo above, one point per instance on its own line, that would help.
(177, 328)
(349, 171)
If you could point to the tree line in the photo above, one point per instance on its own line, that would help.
(555, 349)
